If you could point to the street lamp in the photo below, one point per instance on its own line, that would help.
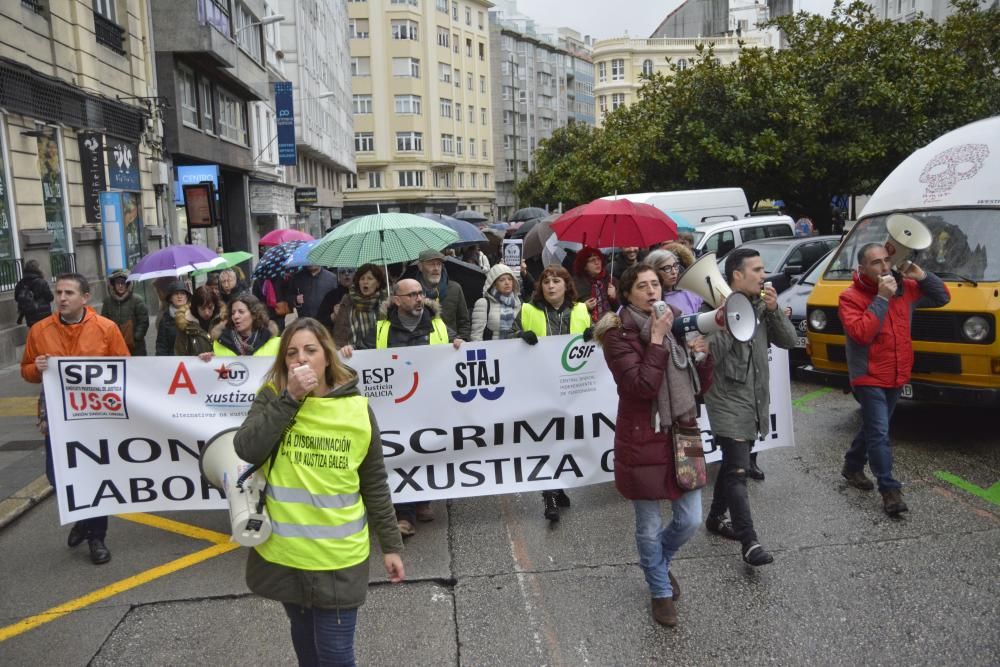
(267, 20)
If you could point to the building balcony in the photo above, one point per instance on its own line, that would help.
(203, 33)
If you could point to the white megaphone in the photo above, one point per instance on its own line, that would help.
(226, 471)
(703, 278)
(907, 235)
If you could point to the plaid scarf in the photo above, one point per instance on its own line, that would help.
(363, 316)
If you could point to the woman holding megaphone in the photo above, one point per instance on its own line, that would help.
(317, 442)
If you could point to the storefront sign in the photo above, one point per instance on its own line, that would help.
(199, 204)
(50, 170)
(285, 120)
(271, 199)
(113, 230)
(306, 197)
(92, 168)
(124, 167)
(191, 174)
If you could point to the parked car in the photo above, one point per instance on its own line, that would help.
(795, 297)
(787, 257)
(721, 237)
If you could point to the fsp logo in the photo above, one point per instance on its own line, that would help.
(477, 376)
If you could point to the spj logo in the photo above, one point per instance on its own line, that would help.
(381, 382)
(93, 389)
(577, 353)
(477, 376)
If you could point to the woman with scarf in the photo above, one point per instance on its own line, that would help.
(551, 312)
(670, 266)
(246, 332)
(195, 322)
(493, 315)
(355, 317)
(594, 286)
(657, 383)
(177, 296)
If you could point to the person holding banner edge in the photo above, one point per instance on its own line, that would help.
(655, 375)
(552, 311)
(74, 330)
(317, 441)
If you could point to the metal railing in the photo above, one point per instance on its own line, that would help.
(62, 262)
(109, 33)
(10, 273)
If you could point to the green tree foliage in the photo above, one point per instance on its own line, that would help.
(832, 113)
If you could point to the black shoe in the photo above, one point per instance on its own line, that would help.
(551, 506)
(754, 554)
(76, 536)
(721, 526)
(754, 472)
(674, 586)
(562, 500)
(892, 502)
(99, 553)
(857, 479)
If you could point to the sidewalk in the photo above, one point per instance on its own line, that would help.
(22, 447)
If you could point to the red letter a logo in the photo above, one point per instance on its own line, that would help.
(181, 381)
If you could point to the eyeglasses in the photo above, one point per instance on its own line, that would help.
(670, 268)
(411, 295)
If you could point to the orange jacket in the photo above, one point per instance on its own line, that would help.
(94, 336)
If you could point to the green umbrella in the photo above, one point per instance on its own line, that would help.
(382, 238)
(231, 260)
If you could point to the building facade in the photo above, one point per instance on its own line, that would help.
(421, 100)
(903, 11)
(79, 116)
(532, 93)
(621, 63)
(579, 76)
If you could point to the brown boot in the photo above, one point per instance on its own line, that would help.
(664, 612)
(892, 502)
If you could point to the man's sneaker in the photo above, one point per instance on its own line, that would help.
(892, 502)
(721, 526)
(857, 479)
(756, 555)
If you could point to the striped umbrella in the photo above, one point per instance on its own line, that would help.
(382, 238)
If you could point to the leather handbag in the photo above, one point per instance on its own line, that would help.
(689, 457)
(281, 308)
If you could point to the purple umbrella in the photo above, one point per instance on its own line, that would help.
(173, 261)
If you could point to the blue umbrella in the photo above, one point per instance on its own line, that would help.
(300, 255)
(272, 264)
(468, 233)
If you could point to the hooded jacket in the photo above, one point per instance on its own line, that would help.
(453, 308)
(129, 313)
(644, 460)
(226, 337)
(33, 296)
(346, 588)
(486, 311)
(879, 344)
(192, 339)
(585, 284)
(93, 336)
(400, 336)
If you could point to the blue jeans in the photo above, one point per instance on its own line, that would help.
(657, 545)
(323, 636)
(871, 445)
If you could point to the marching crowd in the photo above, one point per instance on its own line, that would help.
(316, 561)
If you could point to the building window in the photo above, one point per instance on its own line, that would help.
(458, 79)
(618, 69)
(482, 115)
(458, 145)
(405, 29)
(374, 180)
(482, 20)
(461, 179)
(106, 8)
(442, 6)
(602, 72)
(408, 104)
(509, 166)
(409, 142)
(445, 107)
(351, 182)
(442, 179)
(106, 28)
(472, 114)
(647, 67)
(362, 104)
(361, 66)
(411, 179)
(188, 96)
(454, 10)
(458, 113)
(447, 144)
(206, 98)
(682, 64)
(468, 80)
(444, 72)
(468, 16)
(232, 118)
(617, 100)
(506, 92)
(468, 47)
(472, 147)
(482, 51)
(408, 67)
(602, 103)
(364, 142)
(472, 179)
(508, 141)
(444, 37)
(455, 41)
(403, 2)
(484, 149)
(486, 181)
(482, 83)
(248, 34)
(359, 28)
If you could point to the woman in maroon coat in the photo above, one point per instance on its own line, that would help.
(657, 383)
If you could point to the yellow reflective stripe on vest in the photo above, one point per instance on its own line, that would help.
(533, 319)
(313, 496)
(268, 349)
(438, 335)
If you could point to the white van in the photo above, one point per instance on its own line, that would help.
(721, 237)
(696, 206)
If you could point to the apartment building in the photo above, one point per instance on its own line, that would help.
(421, 100)
(579, 75)
(902, 11)
(78, 117)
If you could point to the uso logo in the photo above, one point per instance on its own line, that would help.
(93, 389)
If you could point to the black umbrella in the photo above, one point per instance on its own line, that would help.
(534, 240)
(526, 227)
(470, 216)
(530, 213)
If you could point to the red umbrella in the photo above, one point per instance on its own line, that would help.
(615, 223)
(279, 236)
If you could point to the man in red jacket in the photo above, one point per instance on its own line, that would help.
(876, 312)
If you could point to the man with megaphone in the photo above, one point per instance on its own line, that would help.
(739, 401)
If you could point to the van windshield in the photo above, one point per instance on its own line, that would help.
(966, 244)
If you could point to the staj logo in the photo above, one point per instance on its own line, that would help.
(476, 376)
(381, 382)
(577, 353)
(93, 389)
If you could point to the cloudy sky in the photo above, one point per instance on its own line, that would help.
(603, 19)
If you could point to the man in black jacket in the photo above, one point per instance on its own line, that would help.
(33, 295)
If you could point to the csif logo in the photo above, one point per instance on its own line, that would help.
(577, 353)
(477, 376)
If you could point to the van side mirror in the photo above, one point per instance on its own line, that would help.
(793, 270)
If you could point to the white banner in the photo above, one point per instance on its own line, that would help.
(489, 418)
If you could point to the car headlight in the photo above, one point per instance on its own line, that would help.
(976, 328)
(817, 320)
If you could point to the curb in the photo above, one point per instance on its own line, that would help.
(21, 501)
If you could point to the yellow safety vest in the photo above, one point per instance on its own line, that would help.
(533, 319)
(439, 333)
(313, 490)
(268, 349)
